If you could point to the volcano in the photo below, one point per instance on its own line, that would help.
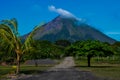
(70, 29)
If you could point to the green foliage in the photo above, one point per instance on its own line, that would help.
(116, 47)
(71, 50)
(44, 49)
(89, 49)
(10, 40)
(63, 43)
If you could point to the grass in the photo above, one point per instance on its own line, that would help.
(33, 69)
(100, 68)
(25, 69)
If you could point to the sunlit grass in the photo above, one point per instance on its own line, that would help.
(102, 69)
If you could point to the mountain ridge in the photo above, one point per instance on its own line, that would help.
(69, 29)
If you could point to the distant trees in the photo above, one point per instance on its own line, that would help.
(90, 49)
(63, 43)
(44, 49)
(10, 40)
(116, 47)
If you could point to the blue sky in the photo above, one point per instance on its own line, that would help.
(101, 14)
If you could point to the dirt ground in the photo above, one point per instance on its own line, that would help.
(63, 71)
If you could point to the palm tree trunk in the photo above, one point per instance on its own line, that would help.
(18, 64)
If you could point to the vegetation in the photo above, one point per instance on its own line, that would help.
(13, 50)
(10, 40)
(44, 49)
(24, 69)
(101, 66)
(89, 49)
(63, 43)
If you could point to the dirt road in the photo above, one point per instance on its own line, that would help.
(63, 71)
(68, 62)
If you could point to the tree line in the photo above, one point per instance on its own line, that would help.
(13, 50)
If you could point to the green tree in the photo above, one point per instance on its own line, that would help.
(44, 49)
(9, 37)
(116, 47)
(90, 49)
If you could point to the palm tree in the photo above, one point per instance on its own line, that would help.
(9, 36)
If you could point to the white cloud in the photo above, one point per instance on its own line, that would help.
(62, 12)
(51, 8)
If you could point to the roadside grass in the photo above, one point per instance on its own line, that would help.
(33, 69)
(100, 68)
(25, 69)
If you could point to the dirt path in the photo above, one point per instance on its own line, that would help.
(68, 62)
(63, 71)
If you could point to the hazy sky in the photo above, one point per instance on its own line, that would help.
(101, 14)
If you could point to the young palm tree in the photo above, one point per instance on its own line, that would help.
(9, 36)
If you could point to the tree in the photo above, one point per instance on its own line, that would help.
(90, 49)
(116, 47)
(42, 50)
(63, 43)
(10, 38)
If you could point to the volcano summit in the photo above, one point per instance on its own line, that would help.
(70, 29)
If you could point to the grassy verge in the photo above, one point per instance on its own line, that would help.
(101, 69)
(7, 70)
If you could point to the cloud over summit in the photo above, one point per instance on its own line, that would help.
(62, 12)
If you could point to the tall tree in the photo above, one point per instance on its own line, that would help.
(10, 37)
(90, 49)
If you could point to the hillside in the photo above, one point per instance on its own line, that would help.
(69, 29)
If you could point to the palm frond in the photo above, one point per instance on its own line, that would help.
(29, 39)
(6, 37)
(8, 34)
(12, 25)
